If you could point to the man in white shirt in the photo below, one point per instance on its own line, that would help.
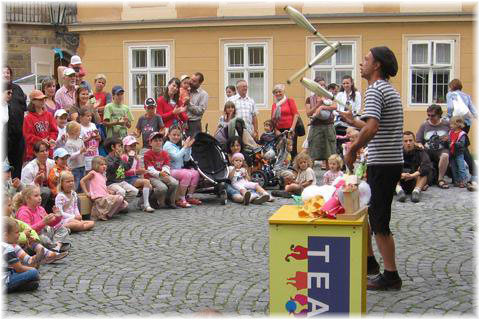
(245, 108)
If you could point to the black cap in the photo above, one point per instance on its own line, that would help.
(387, 60)
(150, 102)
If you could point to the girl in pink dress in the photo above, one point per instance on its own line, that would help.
(94, 185)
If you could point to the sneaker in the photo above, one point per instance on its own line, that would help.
(401, 196)
(270, 198)
(182, 204)
(246, 198)
(261, 199)
(194, 201)
(148, 209)
(65, 247)
(381, 283)
(56, 257)
(415, 196)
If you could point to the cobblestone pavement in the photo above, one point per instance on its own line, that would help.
(186, 260)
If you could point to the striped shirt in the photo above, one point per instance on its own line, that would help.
(382, 102)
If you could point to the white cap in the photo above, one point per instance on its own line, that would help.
(59, 113)
(75, 60)
(68, 72)
(60, 153)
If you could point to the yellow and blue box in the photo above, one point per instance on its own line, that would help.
(317, 266)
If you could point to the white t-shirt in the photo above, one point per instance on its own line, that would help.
(77, 159)
(85, 133)
(60, 143)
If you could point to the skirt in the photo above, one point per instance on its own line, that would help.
(105, 207)
(321, 142)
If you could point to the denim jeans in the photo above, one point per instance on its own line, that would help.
(16, 281)
(459, 172)
(78, 174)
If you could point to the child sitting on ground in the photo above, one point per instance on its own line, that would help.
(48, 226)
(61, 159)
(67, 202)
(335, 164)
(157, 163)
(240, 181)
(17, 277)
(132, 175)
(28, 240)
(94, 185)
(305, 174)
(116, 168)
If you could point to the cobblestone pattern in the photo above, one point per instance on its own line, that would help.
(183, 261)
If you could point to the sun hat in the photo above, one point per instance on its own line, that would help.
(75, 60)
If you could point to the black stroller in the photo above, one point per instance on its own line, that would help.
(212, 164)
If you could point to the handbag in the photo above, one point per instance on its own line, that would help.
(460, 109)
(299, 127)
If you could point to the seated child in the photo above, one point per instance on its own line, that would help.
(335, 164)
(132, 175)
(269, 135)
(67, 202)
(116, 168)
(60, 156)
(305, 174)
(17, 276)
(28, 240)
(105, 202)
(157, 163)
(188, 178)
(240, 181)
(48, 226)
(11, 186)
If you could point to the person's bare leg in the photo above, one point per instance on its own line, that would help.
(386, 246)
(421, 182)
(442, 166)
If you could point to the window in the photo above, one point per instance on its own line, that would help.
(148, 72)
(248, 61)
(340, 64)
(430, 70)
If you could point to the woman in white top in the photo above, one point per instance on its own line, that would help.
(349, 94)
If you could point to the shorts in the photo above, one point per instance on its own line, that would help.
(382, 180)
(435, 155)
(131, 179)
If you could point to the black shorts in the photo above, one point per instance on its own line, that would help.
(382, 180)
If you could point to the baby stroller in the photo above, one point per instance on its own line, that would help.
(269, 162)
(210, 161)
(237, 127)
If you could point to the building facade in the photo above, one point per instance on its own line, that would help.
(141, 46)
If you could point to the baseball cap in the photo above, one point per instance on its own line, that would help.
(60, 153)
(155, 134)
(183, 77)
(7, 167)
(37, 95)
(117, 89)
(75, 60)
(59, 113)
(68, 72)
(129, 140)
(150, 102)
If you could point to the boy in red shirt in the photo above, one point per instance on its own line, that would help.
(157, 163)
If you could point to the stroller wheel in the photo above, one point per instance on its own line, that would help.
(223, 197)
(259, 177)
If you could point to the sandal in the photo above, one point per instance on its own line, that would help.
(442, 184)
(425, 187)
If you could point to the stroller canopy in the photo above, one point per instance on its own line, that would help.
(209, 157)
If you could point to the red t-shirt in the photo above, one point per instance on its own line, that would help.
(37, 127)
(454, 136)
(102, 97)
(165, 110)
(155, 159)
(289, 110)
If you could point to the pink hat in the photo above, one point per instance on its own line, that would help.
(37, 95)
(129, 140)
(238, 155)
